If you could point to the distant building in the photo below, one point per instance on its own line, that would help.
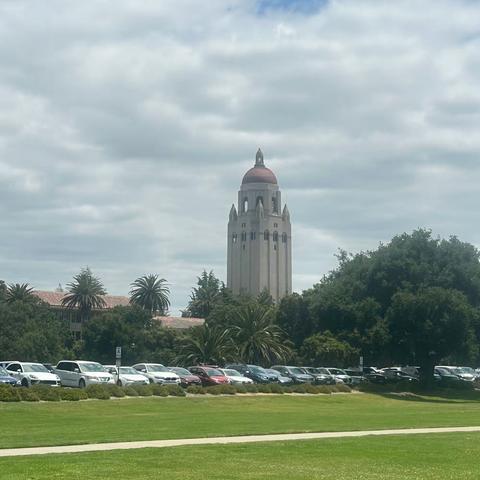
(71, 315)
(259, 236)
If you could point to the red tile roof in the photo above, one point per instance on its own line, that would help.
(180, 323)
(54, 299)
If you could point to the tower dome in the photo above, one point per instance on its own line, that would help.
(259, 173)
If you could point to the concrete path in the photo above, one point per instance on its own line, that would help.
(98, 447)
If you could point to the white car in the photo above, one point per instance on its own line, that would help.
(29, 374)
(80, 373)
(234, 377)
(157, 373)
(340, 376)
(128, 376)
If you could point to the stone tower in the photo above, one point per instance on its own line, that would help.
(259, 236)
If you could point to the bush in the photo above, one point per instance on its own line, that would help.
(214, 390)
(73, 394)
(143, 390)
(9, 394)
(175, 390)
(312, 389)
(325, 389)
(27, 395)
(116, 391)
(130, 392)
(196, 390)
(300, 388)
(241, 389)
(100, 392)
(264, 388)
(276, 388)
(159, 390)
(251, 388)
(46, 393)
(341, 387)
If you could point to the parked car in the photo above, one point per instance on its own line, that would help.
(128, 376)
(234, 377)
(29, 374)
(340, 375)
(81, 373)
(186, 378)
(7, 379)
(357, 376)
(397, 375)
(446, 377)
(280, 378)
(255, 372)
(209, 375)
(157, 373)
(465, 373)
(321, 375)
(297, 374)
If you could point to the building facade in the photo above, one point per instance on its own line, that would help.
(259, 236)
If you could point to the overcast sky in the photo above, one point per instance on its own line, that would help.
(126, 128)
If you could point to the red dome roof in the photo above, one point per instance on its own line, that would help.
(259, 174)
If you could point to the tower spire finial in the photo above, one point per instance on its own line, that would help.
(259, 159)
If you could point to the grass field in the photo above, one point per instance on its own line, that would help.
(422, 457)
(24, 424)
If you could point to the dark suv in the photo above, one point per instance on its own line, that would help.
(256, 373)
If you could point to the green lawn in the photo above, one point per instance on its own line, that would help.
(59, 423)
(422, 457)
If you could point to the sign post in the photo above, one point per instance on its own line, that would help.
(118, 361)
(361, 363)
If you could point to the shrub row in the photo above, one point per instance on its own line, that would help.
(105, 392)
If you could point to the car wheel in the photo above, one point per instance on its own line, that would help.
(119, 383)
(150, 381)
(81, 383)
(25, 383)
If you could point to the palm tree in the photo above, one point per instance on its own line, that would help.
(258, 339)
(85, 293)
(18, 292)
(206, 344)
(151, 293)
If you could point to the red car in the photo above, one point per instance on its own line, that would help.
(186, 378)
(209, 375)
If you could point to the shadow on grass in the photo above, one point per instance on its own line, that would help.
(438, 395)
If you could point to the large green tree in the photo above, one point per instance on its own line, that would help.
(258, 339)
(151, 293)
(86, 293)
(19, 292)
(205, 296)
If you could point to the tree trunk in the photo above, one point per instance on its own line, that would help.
(427, 369)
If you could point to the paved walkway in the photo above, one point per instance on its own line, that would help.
(97, 447)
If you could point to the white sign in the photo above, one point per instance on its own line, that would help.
(118, 352)
(361, 362)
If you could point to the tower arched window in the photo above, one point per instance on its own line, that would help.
(284, 238)
(274, 205)
(245, 205)
(244, 236)
(275, 236)
(259, 199)
(234, 238)
(266, 235)
(253, 235)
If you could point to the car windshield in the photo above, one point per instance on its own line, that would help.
(296, 371)
(212, 372)
(337, 371)
(128, 371)
(323, 371)
(157, 368)
(258, 370)
(34, 367)
(270, 371)
(91, 367)
(443, 371)
(180, 371)
(469, 370)
(231, 373)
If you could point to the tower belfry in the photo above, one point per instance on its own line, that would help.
(259, 236)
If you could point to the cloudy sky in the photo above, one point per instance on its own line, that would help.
(127, 125)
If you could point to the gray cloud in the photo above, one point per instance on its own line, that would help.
(125, 130)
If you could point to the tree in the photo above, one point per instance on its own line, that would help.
(323, 349)
(17, 292)
(430, 325)
(150, 293)
(206, 344)
(205, 296)
(258, 339)
(3, 291)
(293, 317)
(85, 293)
